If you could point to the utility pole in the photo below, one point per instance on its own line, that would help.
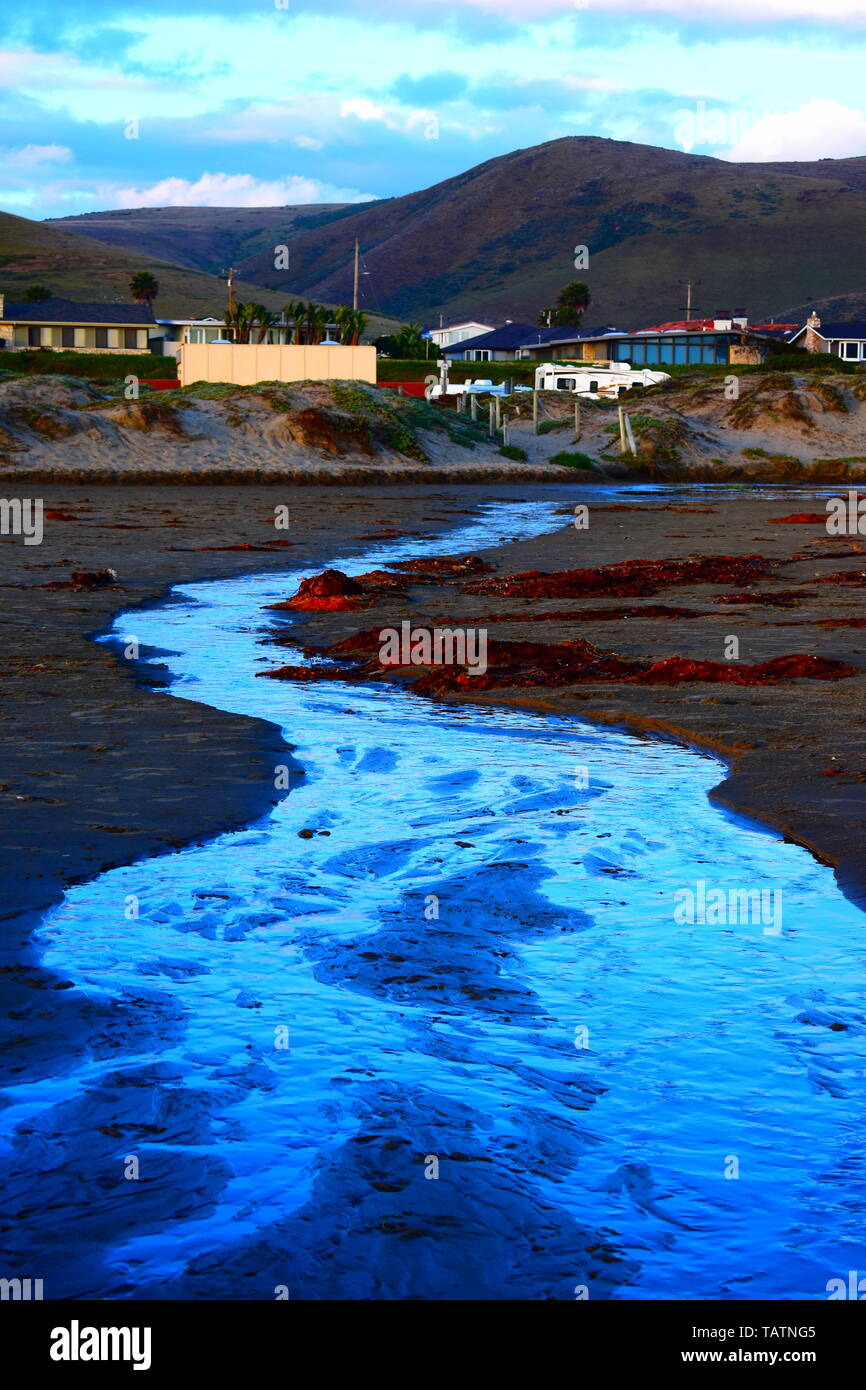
(355, 291)
(230, 282)
(689, 284)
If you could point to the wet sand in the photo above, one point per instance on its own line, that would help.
(796, 750)
(100, 770)
(98, 767)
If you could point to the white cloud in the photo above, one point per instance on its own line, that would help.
(30, 155)
(820, 129)
(232, 190)
(364, 109)
(747, 12)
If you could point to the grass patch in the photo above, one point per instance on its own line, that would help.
(513, 451)
(569, 459)
(93, 366)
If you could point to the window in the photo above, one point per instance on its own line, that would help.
(593, 386)
(101, 338)
(67, 337)
(480, 355)
(563, 383)
(130, 337)
(34, 337)
(850, 350)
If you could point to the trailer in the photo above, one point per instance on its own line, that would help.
(595, 381)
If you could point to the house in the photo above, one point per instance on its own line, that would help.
(449, 334)
(845, 340)
(66, 324)
(175, 332)
(721, 341)
(495, 345)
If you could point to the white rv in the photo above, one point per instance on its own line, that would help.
(594, 381)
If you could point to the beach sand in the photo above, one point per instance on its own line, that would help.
(99, 768)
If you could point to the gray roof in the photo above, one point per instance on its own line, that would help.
(70, 311)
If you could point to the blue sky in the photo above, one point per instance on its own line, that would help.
(262, 102)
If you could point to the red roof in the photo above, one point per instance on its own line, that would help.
(684, 325)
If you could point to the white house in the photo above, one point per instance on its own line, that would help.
(451, 333)
(845, 340)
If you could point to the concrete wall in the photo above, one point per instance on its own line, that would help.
(246, 363)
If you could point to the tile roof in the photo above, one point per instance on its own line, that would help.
(57, 310)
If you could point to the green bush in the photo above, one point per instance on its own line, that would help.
(568, 459)
(513, 451)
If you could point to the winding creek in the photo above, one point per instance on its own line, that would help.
(551, 1088)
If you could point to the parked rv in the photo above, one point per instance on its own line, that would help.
(595, 381)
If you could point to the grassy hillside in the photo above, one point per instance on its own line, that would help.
(207, 239)
(80, 267)
(498, 240)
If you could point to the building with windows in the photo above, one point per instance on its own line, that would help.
(845, 340)
(448, 335)
(67, 325)
(720, 341)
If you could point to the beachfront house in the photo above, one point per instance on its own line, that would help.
(67, 325)
(173, 333)
(721, 341)
(450, 334)
(845, 340)
(501, 344)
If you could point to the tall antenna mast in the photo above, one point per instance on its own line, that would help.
(355, 290)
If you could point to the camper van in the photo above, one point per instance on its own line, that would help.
(594, 381)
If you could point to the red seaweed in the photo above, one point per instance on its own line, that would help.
(331, 591)
(628, 579)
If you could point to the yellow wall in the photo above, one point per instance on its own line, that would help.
(247, 363)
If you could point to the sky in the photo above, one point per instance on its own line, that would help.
(105, 104)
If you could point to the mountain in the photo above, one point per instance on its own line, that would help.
(498, 240)
(76, 266)
(208, 239)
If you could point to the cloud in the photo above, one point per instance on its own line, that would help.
(233, 190)
(31, 155)
(819, 130)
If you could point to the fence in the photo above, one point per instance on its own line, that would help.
(246, 363)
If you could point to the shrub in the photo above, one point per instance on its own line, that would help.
(513, 451)
(567, 459)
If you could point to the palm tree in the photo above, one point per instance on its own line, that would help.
(342, 318)
(351, 323)
(261, 320)
(240, 321)
(291, 318)
(144, 288)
